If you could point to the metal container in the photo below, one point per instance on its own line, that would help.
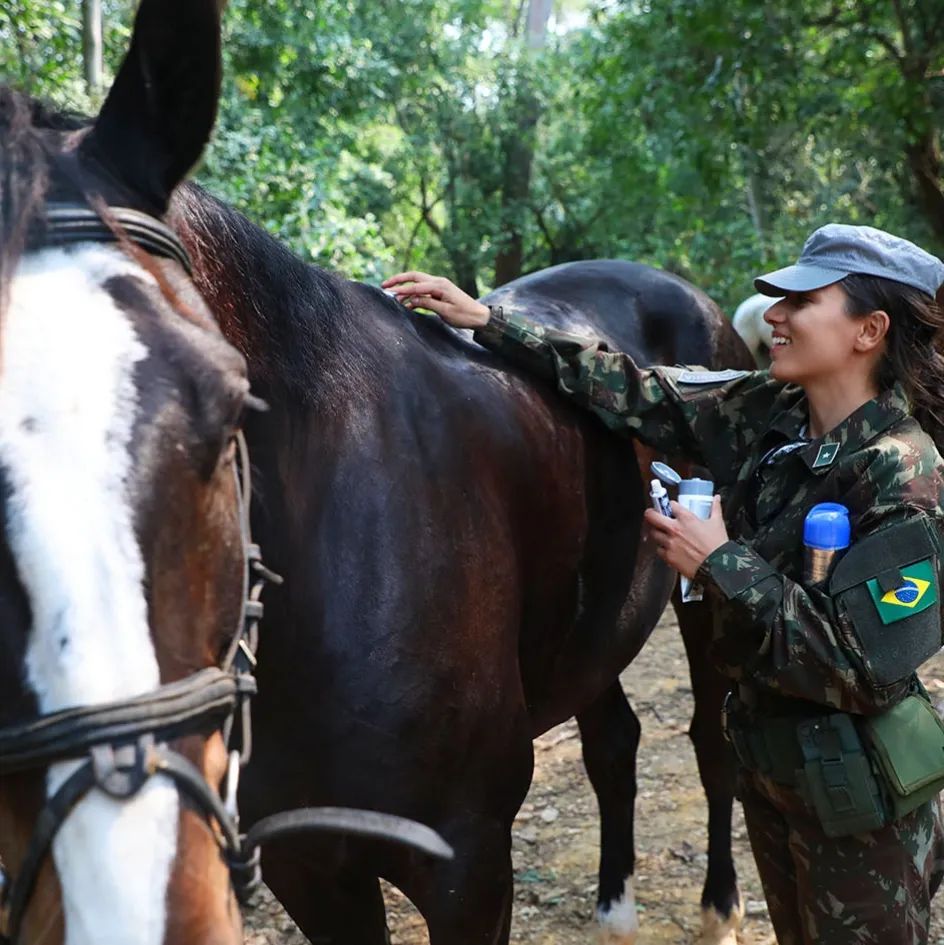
(826, 532)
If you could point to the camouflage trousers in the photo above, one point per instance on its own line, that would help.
(866, 889)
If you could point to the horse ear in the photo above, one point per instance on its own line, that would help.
(160, 110)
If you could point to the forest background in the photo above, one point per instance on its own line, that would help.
(488, 138)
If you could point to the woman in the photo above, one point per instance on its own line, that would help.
(847, 413)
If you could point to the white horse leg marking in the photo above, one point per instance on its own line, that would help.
(67, 409)
(619, 924)
(718, 930)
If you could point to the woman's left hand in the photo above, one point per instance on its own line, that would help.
(685, 541)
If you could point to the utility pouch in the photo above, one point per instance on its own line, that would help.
(907, 746)
(886, 590)
(837, 778)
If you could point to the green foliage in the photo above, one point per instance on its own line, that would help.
(41, 47)
(706, 136)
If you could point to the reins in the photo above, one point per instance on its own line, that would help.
(121, 745)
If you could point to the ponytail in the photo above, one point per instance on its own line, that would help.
(914, 353)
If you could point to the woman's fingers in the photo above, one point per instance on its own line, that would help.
(429, 302)
(413, 275)
(660, 523)
(428, 287)
(436, 293)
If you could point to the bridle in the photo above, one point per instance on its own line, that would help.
(121, 745)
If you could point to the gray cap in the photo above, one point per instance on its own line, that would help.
(836, 250)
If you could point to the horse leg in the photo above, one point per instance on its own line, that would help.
(720, 899)
(344, 907)
(609, 733)
(468, 901)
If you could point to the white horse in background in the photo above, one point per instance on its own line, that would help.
(749, 323)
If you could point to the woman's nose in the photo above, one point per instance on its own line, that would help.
(775, 314)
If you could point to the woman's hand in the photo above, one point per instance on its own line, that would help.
(439, 295)
(685, 541)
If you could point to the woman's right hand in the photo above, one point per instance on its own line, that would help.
(439, 295)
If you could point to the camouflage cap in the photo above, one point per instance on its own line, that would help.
(837, 250)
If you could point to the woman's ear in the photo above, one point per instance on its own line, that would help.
(872, 331)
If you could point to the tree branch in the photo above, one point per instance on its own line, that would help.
(906, 38)
(516, 25)
(427, 208)
(833, 18)
(542, 226)
(862, 23)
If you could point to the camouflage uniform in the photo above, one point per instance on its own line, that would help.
(783, 641)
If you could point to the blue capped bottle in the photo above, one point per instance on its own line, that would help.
(826, 532)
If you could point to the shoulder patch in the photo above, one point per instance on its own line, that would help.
(710, 377)
(917, 592)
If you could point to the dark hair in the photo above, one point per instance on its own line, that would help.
(914, 352)
(24, 174)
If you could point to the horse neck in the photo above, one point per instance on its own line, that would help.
(293, 322)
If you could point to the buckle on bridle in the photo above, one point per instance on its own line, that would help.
(121, 772)
(232, 785)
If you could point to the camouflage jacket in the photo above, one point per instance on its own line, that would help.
(783, 636)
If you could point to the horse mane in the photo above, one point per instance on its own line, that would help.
(296, 324)
(26, 166)
(24, 174)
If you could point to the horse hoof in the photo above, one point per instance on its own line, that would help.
(609, 937)
(618, 922)
(717, 929)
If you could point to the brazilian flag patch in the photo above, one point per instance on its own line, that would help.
(917, 592)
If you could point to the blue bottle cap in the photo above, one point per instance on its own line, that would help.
(696, 487)
(827, 526)
(666, 473)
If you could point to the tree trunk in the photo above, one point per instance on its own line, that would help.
(539, 12)
(755, 203)
(518, 157)
(924, 159)
(92, 45)
(518, 154)
(465, 274)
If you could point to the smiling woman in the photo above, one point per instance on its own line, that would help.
(121, 560)
(819, 683)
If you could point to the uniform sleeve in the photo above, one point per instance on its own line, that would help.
(790, 637)
(712, 417)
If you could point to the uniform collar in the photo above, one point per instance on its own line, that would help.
(863, 425)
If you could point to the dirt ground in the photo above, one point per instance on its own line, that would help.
(556, 834)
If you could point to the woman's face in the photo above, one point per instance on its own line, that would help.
(813, 337)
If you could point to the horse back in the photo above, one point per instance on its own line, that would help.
(653, 315)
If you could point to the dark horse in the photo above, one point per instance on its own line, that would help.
(464, 569)
(121, 555)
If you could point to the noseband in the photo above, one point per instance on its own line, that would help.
(121, 745)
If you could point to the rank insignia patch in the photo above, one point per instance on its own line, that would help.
(826, 454)
(917, 592)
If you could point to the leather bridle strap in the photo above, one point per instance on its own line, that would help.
(120, 773)
(198, 703)
(66, 223)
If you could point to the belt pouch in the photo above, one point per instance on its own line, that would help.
(907, 746)
(837, 777)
